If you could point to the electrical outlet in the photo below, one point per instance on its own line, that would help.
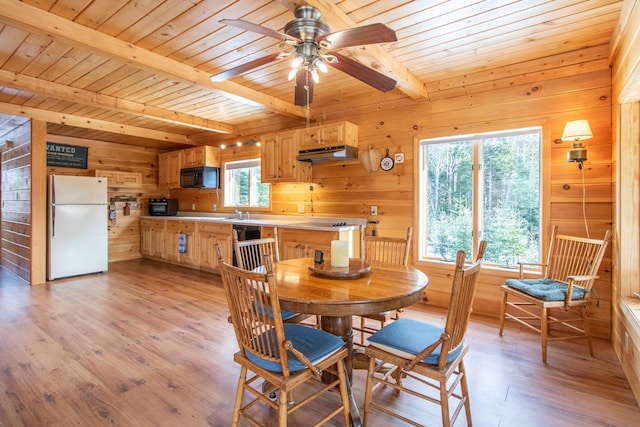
(215, 206)
(300, 208)
(374, 210)
(193, 206)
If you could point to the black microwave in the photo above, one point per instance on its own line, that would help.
(201, 177)
(163, 207)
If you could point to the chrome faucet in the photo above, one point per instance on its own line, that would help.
(239, 214)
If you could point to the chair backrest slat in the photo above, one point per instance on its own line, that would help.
(575, 256)
(250, 253)
(389, 250)
(465, 282)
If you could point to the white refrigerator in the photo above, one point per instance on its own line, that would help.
(77, 226)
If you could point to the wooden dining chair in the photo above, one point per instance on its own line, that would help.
(249, 255)
(284, 355)
(430, 355)
(389, 250)
(564, 289)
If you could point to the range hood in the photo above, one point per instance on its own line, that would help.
(339, 152)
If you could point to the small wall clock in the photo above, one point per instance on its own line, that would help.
(387, 162)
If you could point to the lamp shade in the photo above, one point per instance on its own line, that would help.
(577, 130)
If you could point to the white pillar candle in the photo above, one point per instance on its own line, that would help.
(339, 253)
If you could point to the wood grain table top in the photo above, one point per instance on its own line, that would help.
(385, 287)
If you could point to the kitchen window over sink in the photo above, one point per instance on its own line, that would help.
(242, 185)
(482, 186)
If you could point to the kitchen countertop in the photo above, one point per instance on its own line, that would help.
(280, 221)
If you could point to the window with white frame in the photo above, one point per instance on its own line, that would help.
(481, 187)
(242, 185)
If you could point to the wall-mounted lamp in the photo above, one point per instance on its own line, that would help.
(576, 131)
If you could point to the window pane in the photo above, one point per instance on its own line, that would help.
(511, 198)
(242, 185)
(502, 207)
(449, 184)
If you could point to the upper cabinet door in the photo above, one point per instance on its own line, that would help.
(329, 135)
(200, 156)
(279, 152)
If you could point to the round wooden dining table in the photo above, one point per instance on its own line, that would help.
(305, 287)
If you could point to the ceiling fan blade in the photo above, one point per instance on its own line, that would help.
(235, 71)
(363, 73)
(304, 88)
(249, 26)
(367, 34)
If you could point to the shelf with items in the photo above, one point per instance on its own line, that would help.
(120, 179)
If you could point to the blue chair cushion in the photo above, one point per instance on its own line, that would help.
(314, 343)
(408, 337)
(544, 289)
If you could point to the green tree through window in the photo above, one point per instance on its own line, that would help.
(243, 187)
(476, 187)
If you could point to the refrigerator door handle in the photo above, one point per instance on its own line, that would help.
(52, 190)
(53, 220)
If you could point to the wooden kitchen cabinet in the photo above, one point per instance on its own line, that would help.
(169, 165)
(298, 243)
(208, 234)
(278, 159)
(328, 135)
(120, 179)
(157, 238)
(204, 155)
(173, 231)
(146, 237)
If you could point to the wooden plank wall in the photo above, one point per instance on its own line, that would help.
(492, 101)
(124, 231)
(626, 143)
(16, 201)
(575, 89)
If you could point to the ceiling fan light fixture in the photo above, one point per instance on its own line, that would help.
(331, 59)
(298, 60)
(320, 65)
(308, 34)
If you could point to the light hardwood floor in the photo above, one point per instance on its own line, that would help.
(148, 344)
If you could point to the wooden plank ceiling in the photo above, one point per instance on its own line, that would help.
(138, 72)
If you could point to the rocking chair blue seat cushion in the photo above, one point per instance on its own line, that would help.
(545, 289)
(315, 344)
(408, 337)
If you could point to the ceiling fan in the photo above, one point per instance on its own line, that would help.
(309, 35)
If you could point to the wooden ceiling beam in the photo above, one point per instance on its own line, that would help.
(373, 56)
(94, 124)
(56, 90)
(38, 21)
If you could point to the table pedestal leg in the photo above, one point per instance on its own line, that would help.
(342, 327)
